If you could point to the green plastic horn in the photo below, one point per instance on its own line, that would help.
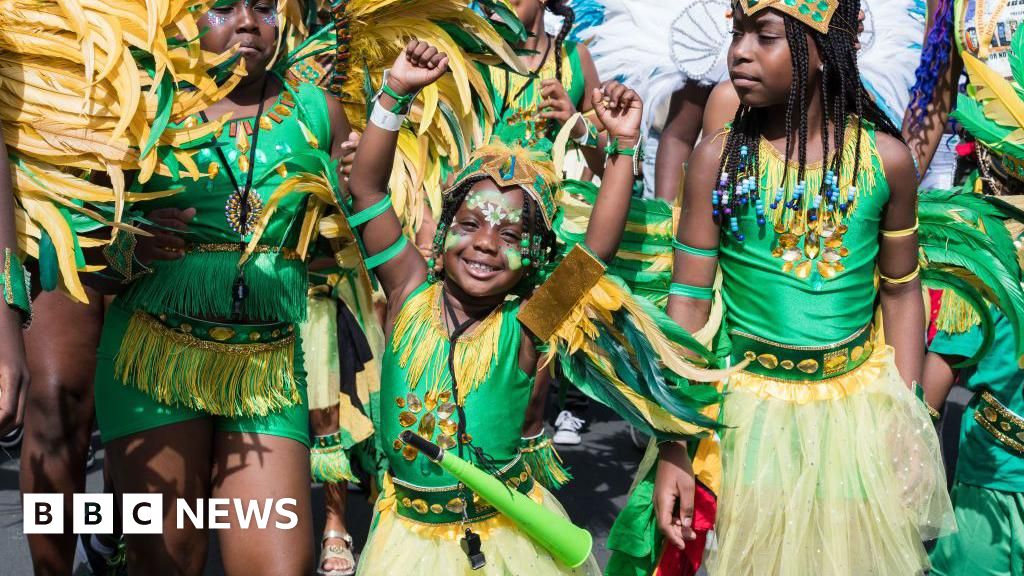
(566, 541)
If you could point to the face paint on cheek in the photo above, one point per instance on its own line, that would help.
(271, 19)
(452, 240)
(514, 259)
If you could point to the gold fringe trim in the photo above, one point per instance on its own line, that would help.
(419, 340)
(221, 379)
(956, 316)
(773, 164)
(546, 464)
(517, 81)
(330, 465)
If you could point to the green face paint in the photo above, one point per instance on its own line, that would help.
(452, 240)
(515, 260)
(495, 206)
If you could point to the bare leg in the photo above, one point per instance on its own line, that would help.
(174, 461)
(59, 413)
(324, 422)
(254, 467)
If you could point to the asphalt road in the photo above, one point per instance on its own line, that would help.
(603, 467)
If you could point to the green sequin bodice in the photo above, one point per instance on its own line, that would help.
(495, 407)
(797, 287)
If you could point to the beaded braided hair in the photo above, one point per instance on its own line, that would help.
(536, 248)
(843, 96)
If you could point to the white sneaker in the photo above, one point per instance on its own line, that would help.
(569, 426)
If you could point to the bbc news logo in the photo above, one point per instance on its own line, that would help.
(144, 513)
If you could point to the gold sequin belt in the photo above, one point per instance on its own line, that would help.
(286, 253)
(445, 504)
(1001, 422)
(807, 363)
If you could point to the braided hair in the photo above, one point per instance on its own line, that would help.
(843, 96)
(561, 8)
(934, 56)
(540, 238)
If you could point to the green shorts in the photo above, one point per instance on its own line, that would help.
(990, 536)
(123, 410)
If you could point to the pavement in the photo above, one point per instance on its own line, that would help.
(603, 467)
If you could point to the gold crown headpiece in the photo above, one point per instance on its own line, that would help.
(815, 13)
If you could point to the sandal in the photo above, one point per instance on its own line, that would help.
(335, 551)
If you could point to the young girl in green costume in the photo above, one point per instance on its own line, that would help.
(200, 389)
(475, 290)
(830, 464)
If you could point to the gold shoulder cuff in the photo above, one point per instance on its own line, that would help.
(552, 302)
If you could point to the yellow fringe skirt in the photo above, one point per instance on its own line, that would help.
(835, 478)
(398, 546)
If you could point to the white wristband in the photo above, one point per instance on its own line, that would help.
(386, 119)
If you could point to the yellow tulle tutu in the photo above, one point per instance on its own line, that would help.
(837, 478)
(320, 350)
(400, 547)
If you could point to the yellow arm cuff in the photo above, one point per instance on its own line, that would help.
(901, 233)
(903, 280)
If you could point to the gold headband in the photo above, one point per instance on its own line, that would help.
(815, 13)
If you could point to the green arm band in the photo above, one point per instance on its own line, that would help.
(365, 215)
(613, 149)
(695, 292)
(401, 102)
(676, 244)
(387, 254)
(14, 286)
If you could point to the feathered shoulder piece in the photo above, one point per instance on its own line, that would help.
(622, 350)
(364, 37)
(967, 251)
(95, 86)
(994, 113)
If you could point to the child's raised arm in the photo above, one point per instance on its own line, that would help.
(398, 265)
(619, 109)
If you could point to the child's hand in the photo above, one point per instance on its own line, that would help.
(349, 148)
(619, 109)
(674, 487)
(419, 65)
(557, 106)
